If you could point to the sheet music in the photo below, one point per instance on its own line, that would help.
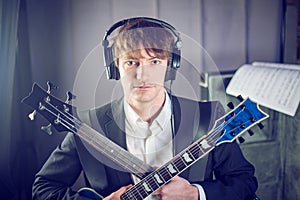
(276, 86)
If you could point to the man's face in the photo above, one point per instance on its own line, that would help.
(142, 76)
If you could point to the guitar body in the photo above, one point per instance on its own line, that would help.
(89, 193)
(226, 129)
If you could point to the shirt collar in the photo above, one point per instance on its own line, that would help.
(161, 120)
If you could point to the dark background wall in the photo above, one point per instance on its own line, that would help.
(61, 41)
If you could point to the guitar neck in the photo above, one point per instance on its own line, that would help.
(113, 151)
(59, 114)
(165, 173)
(226, 129)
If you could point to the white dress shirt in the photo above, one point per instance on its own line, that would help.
(152, 143)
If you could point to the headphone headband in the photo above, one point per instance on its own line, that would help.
(112, 70)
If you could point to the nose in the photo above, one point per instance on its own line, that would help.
(141, 71)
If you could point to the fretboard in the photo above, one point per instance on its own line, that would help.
(113, 151)
(165, 173)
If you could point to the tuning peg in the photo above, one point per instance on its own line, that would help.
(47, 129)
(241, 139)
(240, 98)
(260, 125)
(250, 132)
(51, 87)
(230, 105)
(70, 96)
(232, 133)
(32, 115)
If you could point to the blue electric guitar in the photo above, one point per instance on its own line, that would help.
(226, 129)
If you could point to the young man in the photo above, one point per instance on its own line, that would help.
(151, 124)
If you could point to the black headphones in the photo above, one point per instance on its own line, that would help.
(112, 71)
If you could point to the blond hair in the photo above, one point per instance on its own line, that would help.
(140, 34)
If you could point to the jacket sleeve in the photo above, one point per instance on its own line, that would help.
(229, 175)
(59, 173)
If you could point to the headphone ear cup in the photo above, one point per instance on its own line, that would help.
(112, 71)
(176, 57)
(174, 65)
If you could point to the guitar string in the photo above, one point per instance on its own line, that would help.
(132, 167)
(150, 180)
(210, 137)
(196, 147)
(125, 156)
(135, 193)
(148, 177)
(123, 160)
(124, 164)
(214, 137)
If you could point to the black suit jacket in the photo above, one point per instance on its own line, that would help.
(223, 174)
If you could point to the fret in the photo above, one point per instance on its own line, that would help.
(182, 161)
(193, 152)
(113, 151)
(151, 182)
(129, 194)
(147, 186)
(179, 164)
(59, 114)
(143, 193)
(187, 157)
(204, 143)
(196, 151)
(158, 179)
(143, 188)
(201, 149)
(164, 173)
(171, 168)
(138, 193)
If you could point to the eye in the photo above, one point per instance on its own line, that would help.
(155, 62)
(131, 63)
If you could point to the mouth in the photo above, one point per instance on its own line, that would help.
(144, 86)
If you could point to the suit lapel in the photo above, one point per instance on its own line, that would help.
(115, 127)
(115, 131)
(186, 125)
(184, 122)
(189, 126)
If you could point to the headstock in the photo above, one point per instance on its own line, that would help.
(240, 119)
(58, 113)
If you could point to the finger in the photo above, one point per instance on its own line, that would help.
(116, 195)
(124, 188)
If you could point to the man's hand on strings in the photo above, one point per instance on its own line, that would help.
(117, 194)
(178, 189)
